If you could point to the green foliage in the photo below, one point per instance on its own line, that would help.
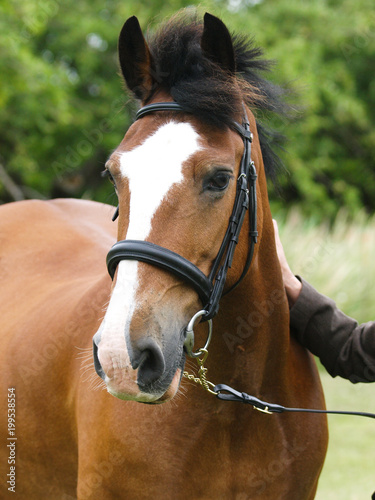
(326, 49)
(62, 104)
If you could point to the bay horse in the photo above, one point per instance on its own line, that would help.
(177, 174)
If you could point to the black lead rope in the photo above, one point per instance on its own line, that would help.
(226, 393)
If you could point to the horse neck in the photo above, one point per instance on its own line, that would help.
(251, 332)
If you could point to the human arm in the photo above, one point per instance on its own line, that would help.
(344, 347)
(292, 285)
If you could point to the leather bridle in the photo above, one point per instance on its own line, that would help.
(209, 288)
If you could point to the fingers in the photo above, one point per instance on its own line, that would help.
(292, 285)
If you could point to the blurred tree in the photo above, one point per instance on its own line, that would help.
(62, 104)
(62, 101)
(327, 47)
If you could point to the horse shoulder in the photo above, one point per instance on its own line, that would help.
(52, 269)
(54, 288)
(37, 234)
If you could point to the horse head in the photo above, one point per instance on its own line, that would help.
(176, 176)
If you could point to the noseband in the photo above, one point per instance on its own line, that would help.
(209, 289)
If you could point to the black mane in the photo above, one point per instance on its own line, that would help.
(210, 93)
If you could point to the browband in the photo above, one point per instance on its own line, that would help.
(158, 106)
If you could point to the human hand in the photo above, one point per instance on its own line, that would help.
(292, 285)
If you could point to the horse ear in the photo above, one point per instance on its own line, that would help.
(135, 59)
(217, 43)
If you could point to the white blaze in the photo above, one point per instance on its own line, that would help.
(152, 169)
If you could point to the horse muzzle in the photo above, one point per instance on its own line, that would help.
(140, 370)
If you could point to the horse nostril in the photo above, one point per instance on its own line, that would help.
(98, 366)
(149, 359)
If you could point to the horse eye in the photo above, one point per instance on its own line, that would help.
(107, 173)
(219, 182)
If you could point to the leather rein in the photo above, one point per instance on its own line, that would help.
(210, 289)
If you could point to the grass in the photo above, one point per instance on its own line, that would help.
(339, 261)
(349, 470)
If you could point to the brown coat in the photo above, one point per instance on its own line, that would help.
(344, 347)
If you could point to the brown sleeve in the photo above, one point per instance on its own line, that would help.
(344, 347)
